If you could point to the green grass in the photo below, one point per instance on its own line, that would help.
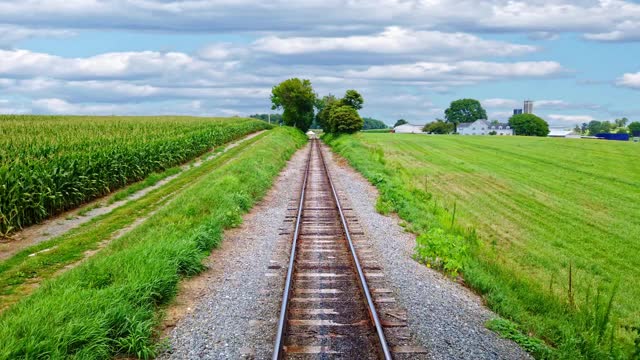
(19, 272)
(107, 306)
(513, 214)
(49, 164)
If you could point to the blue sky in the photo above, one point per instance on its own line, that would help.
(578, 60)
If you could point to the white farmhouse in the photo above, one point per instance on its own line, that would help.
(408, 129)
(483, 127)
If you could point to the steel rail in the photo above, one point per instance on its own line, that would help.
(363, 281)
(282, 323)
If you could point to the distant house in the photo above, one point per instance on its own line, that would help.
(483, 127)
(408, 129)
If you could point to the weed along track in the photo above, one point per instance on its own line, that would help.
(328, 308)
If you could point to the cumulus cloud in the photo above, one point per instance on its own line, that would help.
(500, 103)
(630, 80)
(625, 31)
(571, 119)
(597, 18)
(395, 40)
(24, 63)
(463, 72)
(10, 34)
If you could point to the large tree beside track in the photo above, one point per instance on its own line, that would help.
(324, 107)
(345, 119)
(298, 100)
(340, 115)
(464, 110)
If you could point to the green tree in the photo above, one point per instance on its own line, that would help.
(400, 122)
(529, 125)
(621, 122)
(324, 107)
(634, 128)
(298, 100)
(577, 129)
(439, 127)
(598, 127)
(370, 124)
(352, 98)
(622, 130)
(464, 110)
(345, 119)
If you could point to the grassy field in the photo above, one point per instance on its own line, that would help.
(514, 215)
(108, 305)
(49, 164)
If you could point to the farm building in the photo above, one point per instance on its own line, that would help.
(408, 129)
(560, 132)
(483, 127)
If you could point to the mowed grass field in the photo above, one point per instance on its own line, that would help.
(528, 210)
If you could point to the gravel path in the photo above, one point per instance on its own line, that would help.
(231, 310)
(447, 318)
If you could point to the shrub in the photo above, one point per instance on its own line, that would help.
(442, 250)
(345, 119)
(529, 125)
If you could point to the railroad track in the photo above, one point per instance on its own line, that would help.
(327, 309)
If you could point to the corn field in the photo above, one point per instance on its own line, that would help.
(49, 164)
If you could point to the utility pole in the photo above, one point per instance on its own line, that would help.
(269, 118)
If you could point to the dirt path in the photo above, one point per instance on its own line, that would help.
(67, 221)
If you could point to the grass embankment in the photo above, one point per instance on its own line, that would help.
(49, 164)
(514, 215)
(27, 268)
(108, 305)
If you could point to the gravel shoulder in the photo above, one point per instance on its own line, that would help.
(447, 318)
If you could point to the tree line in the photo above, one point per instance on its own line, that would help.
(302, 108)
(618, 126)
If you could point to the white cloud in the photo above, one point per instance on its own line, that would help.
(464, 72)
(500, 103)
(630, 80)
(552, 104)
(10, 107)
(534, 16)
(625, 31)
(10, 34)
(18, 63)
(395, 40)
(570, 119)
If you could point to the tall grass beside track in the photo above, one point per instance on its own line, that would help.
(108, 306)
(49, 164)
(518, 217)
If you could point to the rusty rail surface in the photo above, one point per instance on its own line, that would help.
(327, 308)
